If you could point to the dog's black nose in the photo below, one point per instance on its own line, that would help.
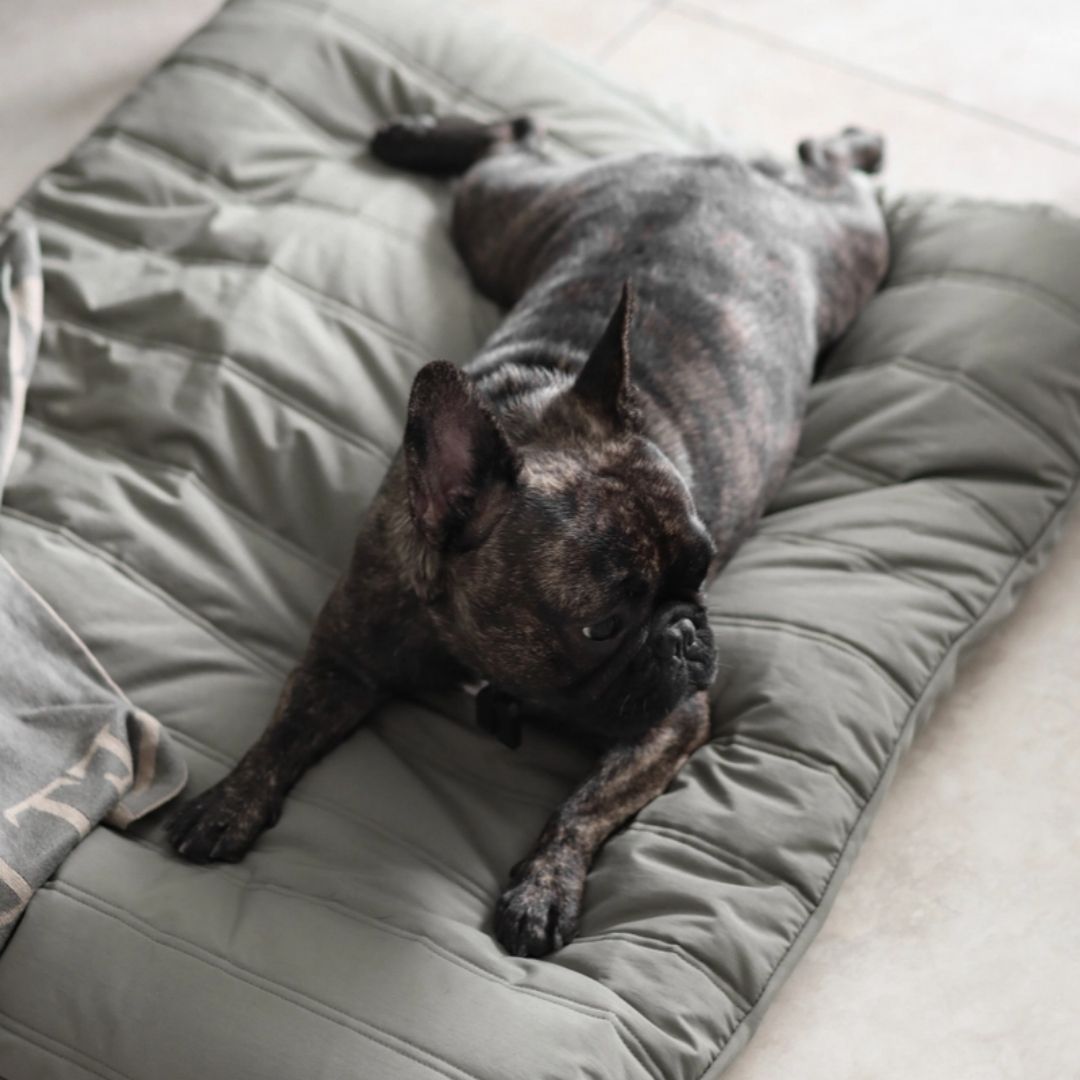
(687, 633)
(677, 639)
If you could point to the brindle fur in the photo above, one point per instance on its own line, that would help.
(543, 488)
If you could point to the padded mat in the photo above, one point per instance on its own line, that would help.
(237, 297)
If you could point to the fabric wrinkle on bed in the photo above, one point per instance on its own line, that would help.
(238, 297)
(73, 749)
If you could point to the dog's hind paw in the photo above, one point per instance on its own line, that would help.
(853, 148)
(447, 145)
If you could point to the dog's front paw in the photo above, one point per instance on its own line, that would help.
(539, 912)
(222, 823)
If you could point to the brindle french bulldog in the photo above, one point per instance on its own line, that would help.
(559, 504)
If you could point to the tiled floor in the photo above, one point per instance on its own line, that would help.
(982, 98)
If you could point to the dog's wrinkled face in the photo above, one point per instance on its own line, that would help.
(566, 569)
(586, 598)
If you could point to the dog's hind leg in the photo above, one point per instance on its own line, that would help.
(503, 173)
(447, 146)
(826, 164)
(842, 226)
(835, 155)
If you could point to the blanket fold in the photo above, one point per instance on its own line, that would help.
(74, 751)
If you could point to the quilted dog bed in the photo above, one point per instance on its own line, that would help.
(237, 297)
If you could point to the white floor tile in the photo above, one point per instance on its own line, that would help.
(1018, 61)
(777, 97)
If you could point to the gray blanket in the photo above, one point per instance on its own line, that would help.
(74, 751)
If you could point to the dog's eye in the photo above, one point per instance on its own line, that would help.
(604, 629)
(635, 588)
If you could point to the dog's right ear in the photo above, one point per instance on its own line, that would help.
(461, 467)
(604, 384)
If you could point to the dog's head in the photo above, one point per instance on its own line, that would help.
(564, 565)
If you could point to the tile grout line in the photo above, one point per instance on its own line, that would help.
(692, 10)
(606, 49)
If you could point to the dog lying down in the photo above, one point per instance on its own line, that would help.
(559, 504)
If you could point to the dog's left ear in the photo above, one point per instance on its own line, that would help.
(604, 383)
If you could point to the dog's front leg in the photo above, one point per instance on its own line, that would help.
(539, 910)
(320, 704)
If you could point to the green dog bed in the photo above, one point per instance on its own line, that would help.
(237, 298)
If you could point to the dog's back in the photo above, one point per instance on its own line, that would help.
(744, 271)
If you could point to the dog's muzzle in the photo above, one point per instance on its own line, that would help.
(682, 639)
(677, 659)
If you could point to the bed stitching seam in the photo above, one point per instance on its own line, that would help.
(815, 633)
(220, 361)
(992, 279)
(920, 365)
(645, 941)
(332, 1013)
(723, 856)
(333, 306)
(993, 399)
(478, 891)
(224, 193)
(475, 889)
(797, 757)
(151, 588)
(146, 466)
(964, 381)
(533, 802)
(264, 91)
(69, 1056)
(871, 559)
(881, 480)
(254, 978)
(551, 997)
